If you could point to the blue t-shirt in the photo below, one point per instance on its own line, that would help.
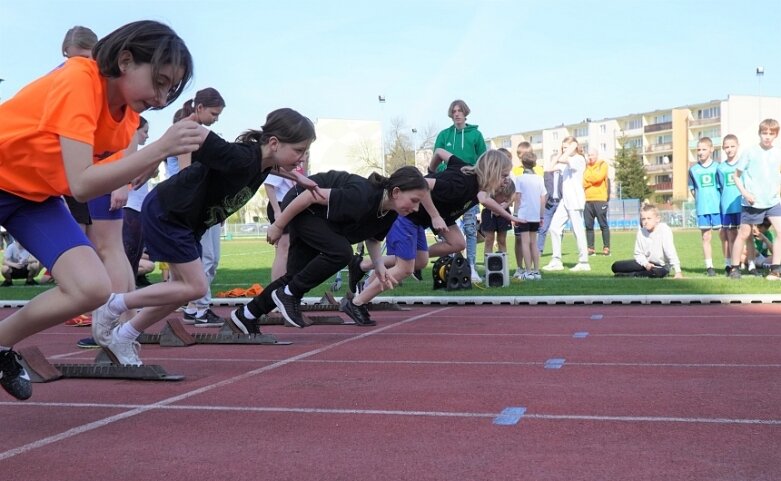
(730, 195)
(760, 175)
(702, 181)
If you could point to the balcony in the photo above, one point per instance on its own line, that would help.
(658, 127)
(662, 186)
(654, 168)
(701, 122)
(659, 148)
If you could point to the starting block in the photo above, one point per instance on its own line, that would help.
(41, 370)
(175, 335)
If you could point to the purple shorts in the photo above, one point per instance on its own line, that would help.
(99, 209)
(405, 238)
(46, 229)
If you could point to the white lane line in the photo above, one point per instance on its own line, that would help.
(402, 413)
(142, 409)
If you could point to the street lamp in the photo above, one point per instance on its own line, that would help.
(760, 73)
(381, 100)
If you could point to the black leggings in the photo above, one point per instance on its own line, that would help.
(315, 255)
(633, 269)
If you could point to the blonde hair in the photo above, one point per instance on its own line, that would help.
(705, 140)
(769, 124)
(648, 207)
(489, 169)
(80, 37)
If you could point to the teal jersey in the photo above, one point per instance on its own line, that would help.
(761, 176)
(730, 195)
(702, 181)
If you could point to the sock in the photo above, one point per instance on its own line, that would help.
(200, 312)
(4, 348)
(709, 263)
(356, 303)
(190, 310)
(751, 266)
(248, 314)
(116, 304)
(127, 333)
(287, 291)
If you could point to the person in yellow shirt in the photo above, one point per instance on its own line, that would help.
(595, 184)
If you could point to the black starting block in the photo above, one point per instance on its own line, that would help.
(41, 370)
(175, 335)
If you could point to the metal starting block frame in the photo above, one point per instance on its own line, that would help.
(41, 370)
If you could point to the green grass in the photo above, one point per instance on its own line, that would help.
(248, 260)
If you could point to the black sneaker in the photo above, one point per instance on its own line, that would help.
(359, 314)
(239, 323)
(417, 274)
(7, 283)
(13, 376)
(710, 272)
(31, 282)
(354, 273)
(289, 307)
(209, 319)
(734, 273)
(189, 317)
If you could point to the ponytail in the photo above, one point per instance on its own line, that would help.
(287, 125)
(405, 178)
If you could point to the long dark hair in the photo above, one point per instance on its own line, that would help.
(287, 125)
(208, 97)
(148, 42)
(405, 178)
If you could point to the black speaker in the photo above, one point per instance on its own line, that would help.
(452, 273)
(497, 272)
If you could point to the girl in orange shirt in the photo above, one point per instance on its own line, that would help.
(54, 135)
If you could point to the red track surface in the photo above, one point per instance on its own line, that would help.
(652, 393)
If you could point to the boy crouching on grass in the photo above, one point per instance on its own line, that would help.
(655, 252)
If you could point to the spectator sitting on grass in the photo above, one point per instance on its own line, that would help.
(655, 252)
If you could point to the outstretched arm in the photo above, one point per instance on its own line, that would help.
(301, 202)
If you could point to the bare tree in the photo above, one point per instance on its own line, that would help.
(367, 156)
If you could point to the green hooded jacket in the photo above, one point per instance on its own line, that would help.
(467, 144)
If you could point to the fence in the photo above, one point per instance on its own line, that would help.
(623, 214)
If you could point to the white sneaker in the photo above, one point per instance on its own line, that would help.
(124, 352)
(103, 322)
(518, 275)
(527, 276)
(536, 276)
(581, 267)
(554, 265)
(476, 279)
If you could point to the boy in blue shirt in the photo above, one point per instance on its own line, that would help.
(758, 176)
(707, 200)
(730, 198)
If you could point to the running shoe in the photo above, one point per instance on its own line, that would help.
(13, 376)
(289, 307)
(239, 323)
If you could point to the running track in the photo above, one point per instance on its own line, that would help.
(659, 392)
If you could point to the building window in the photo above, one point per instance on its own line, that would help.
(581, 132)
(664, 139)
(709, 113)
(603, 147)
(603, 129)
(555, 136)
(507, 143)
(660, 119)
(634, 124)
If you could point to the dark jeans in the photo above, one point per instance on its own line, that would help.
(631, 268)
(316, 253)
(596, 210)
(542, 234)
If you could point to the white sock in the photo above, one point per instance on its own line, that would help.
(751, 266)
(287, 291)
(709, 263)
(199, 312)
(116, 304)
(127, 333)
(4, 348)
(248, 314)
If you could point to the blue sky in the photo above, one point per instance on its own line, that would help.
(519, 64)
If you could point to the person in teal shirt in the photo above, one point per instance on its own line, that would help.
(467, 143)
(707, 200)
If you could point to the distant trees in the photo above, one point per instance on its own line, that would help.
(630, 173)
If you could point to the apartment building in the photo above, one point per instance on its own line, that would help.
(666, 138)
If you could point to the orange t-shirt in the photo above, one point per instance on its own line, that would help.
(70, 102)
